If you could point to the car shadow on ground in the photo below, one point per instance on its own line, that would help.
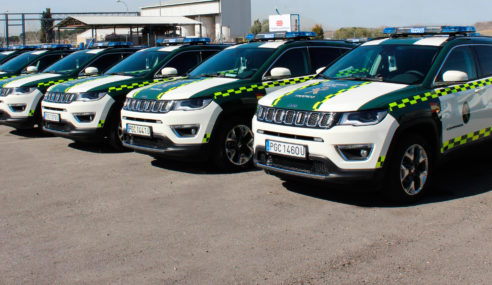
(462, 174)
(95, 147)
(194, 167)
(30, 133)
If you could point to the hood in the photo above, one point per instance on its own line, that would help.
(89, 83)
(329, 95)
(28, 79)
(180, 89)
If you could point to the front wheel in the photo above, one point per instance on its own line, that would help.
(115, 134)
(409, 170)
(233, 145)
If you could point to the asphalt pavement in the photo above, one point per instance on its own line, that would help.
(83, 214)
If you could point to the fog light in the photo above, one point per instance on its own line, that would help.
(84, 117)
(17, 107)
(355, 151)
(185, 131)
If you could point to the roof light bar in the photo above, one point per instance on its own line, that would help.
(55, 46)
(193, 40)
(111, 44)
(21, 47)
(280, 36)
(446, 30)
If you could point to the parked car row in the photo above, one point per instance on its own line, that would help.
(386, 110)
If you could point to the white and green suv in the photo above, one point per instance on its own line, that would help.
(208, 114)
(389, 109)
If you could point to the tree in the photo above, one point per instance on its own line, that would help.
(265, 26)
(47, 32)
(357, 32)
(256, 28)
(320, 33)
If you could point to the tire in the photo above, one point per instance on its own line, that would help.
(233, 145)
(115, 133)
(409, 171)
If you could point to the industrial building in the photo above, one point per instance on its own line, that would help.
(234, 16)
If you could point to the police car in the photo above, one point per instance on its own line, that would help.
(31, 59)
(20, 97)
(93, 107)
(210, 111)
(388, 109)
(7, 54)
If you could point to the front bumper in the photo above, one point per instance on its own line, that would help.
(70, 126)
(324, 161)
(17, 110)
(166, 142)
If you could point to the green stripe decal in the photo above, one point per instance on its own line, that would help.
(318, 104)
(461, 140)
(380, 162)
(261, 86)
(406, 102)
(129, 87)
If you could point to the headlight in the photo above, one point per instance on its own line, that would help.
(362, 118)
(23, 90)
(191, 104)
(90, 96)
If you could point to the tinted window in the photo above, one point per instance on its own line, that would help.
(238, 62)
(139, 63)
(323, 56)
(460, 59)
(104, 62)
(46, 61)
(407, 64)
(73, 62)
(295, 60)
(208, 53)
(185, 61)
(484, 54)
(21, 61)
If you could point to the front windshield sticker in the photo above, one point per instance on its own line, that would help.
(7, 52)
(38, 52)
(169, 48)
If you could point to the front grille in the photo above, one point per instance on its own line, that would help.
(308, 166)
(308, 119)
(59, 97)
(147, 106)
(5, 91)
(61, 127)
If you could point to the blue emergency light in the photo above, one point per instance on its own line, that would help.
(55, 46)
(280, 36)
(111, 44)
(440, 30)
(22, 47)
(183, 40)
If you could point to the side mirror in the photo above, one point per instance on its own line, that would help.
(454, 75)
(91, 70)
(169, 71)
(279, 72)
(319, 70)
(31, 69)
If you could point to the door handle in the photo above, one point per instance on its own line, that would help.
(479, 89)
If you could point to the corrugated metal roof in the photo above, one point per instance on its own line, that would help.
(109, 21)
(176, 2)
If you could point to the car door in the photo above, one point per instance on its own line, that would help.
(459, 110)
(483, 118)
(104, 62)
(294, 59)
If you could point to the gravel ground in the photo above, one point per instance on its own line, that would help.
(72, 213)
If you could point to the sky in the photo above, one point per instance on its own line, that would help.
(330, 14)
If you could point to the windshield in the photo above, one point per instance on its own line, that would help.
(19, 62)
(4, 54)
(72, 63)
(406, 64)
(235, 63)
(139, 64)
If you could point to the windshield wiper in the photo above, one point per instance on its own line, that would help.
(216, 74)
(117, 73)
(362, 78)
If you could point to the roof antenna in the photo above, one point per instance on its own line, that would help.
(276, 10)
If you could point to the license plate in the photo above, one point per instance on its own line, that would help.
(138, 130)
(289, 149)
(52, 117)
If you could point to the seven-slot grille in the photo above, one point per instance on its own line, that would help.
(287, 117)
(59, 97)
(147, 106)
